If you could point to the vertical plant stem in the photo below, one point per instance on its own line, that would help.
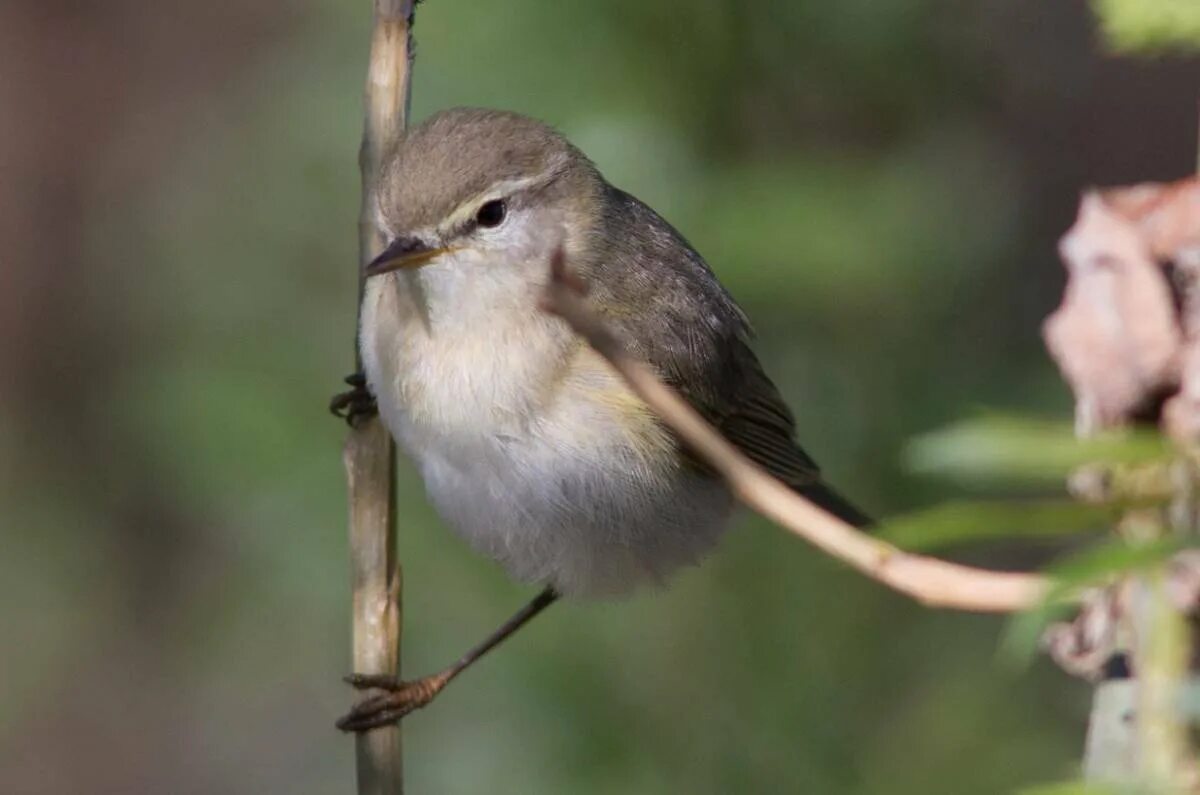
(1163, 647)
(1137, 732)
(370, 455)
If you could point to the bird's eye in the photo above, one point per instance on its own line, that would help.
(491, 213)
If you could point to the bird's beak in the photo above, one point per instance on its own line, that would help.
(402, 253)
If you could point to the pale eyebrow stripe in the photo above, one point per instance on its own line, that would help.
(503, 188)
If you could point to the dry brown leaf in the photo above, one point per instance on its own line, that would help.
(1115, 337)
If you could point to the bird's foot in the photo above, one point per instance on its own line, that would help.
(400, 699)
(355, 404)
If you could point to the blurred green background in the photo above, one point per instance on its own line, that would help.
(879, 183)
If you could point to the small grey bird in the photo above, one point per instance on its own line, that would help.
(531, 447)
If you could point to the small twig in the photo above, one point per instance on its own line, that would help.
(933, 582)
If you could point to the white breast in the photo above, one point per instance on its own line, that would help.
(530, 448)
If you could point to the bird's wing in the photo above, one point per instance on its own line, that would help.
(697, 338)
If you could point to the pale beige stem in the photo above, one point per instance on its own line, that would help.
(369, 454)
(1163, 648)
(933, 582)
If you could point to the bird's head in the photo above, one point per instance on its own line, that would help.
(477, 199)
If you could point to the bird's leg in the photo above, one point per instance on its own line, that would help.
(403, 697)
(355, 404)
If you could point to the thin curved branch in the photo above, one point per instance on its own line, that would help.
(933, 582)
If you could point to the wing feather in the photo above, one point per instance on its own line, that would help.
(693, 333)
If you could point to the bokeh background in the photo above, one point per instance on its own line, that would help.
(880, 184)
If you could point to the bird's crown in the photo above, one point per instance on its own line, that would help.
(460, 154)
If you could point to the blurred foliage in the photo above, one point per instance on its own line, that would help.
(1093, 567)
(956, 522)
(872, 182)
(1075, 788)
(1150, 25)
(1018, 449)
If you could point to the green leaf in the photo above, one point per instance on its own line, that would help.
(1112, 557)
(1022, 449)
(956, 522)
(1023, 635)
(1150, 25)
(1075, 788)
(1091, 567)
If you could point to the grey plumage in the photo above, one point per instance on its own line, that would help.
(698, 339)
(436, 164)
(529, 444)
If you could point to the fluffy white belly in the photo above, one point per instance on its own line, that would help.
(555, 470)
(584, 528)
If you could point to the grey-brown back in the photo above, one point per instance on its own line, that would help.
(687, 326)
